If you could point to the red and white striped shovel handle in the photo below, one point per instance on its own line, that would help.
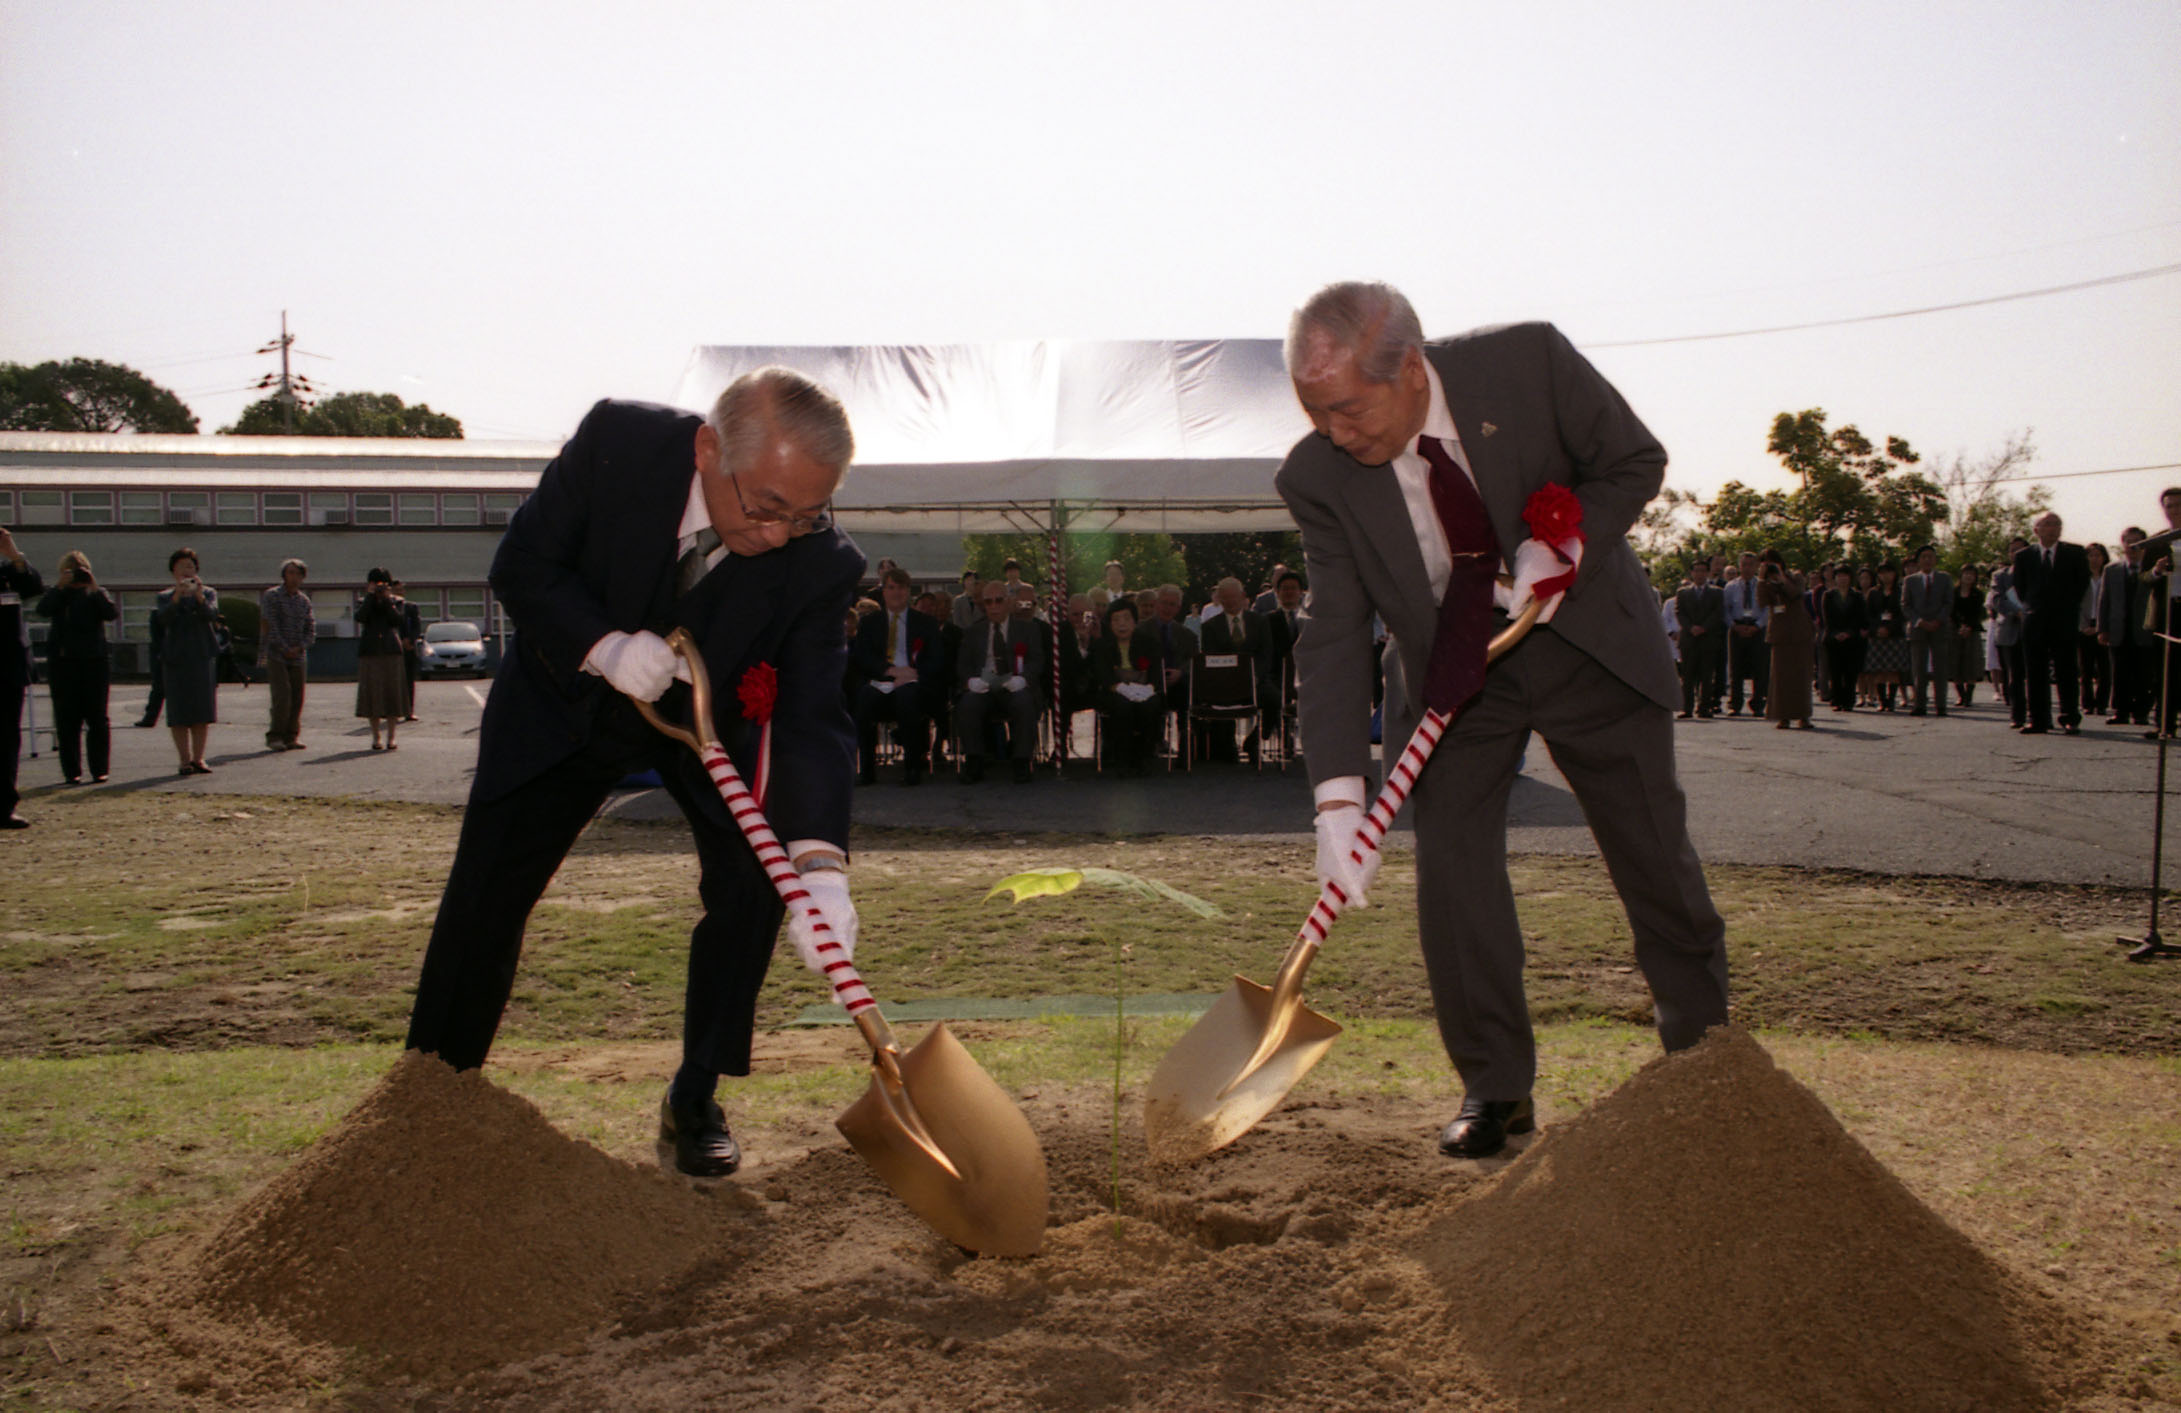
(1395, 793)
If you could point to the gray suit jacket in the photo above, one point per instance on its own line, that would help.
(2119, 608)
(1552, 417)
(1928, 596)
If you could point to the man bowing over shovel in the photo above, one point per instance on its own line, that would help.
(1411, 498)
(652, 519)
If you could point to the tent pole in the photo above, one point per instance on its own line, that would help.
(1057, 618)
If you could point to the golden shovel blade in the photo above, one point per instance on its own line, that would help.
(984, 1188)
(1233, 1067)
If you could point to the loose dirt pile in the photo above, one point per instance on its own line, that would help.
(445, 1226)
(1709, 1236)
(1706, 1236)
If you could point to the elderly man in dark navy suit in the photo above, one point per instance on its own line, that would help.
(898, 654)
(651, 519)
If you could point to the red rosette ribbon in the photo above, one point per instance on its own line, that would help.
(757, 691)
(1555, 516)
(1022, 652)
(916, 647)
(1143, 664)
(759, 687)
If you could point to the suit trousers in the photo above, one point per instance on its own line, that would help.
(1699, 673)
(1930, 660)
(2049, 662)
(79, 714)
(904, 707)
(1616, 748)
(1749, 659)
(2094, 671)
(11, 743)
(509, 850)
(1020, 709)
(284, 679)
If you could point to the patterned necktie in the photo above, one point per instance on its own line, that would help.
(893, 638)
(1456, 669)
(691, 566)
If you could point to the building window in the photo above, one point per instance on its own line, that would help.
(143, 508)
(7, 507)
(374, 508)
(329, 507)
(466, 606)
(238, 507)
(136, 606)
(420, 509)
(189, 508)
(499, 505)
(90, 507)
(44, 508)
(501, 624)
(458, 508)
(283, 507)
(426, 602)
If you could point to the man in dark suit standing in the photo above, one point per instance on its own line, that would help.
(1701, 610)
(2050, 578)
(1228, 627)
(19, 586)
(1410, 498)
(1286, 621)
(2125, 632)
(651, 519)
(896, 655)
(1001, 666)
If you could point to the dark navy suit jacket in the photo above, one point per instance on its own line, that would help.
(593, 551)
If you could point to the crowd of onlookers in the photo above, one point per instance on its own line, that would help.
(2059, 631)
(192, 650)
(970, 672)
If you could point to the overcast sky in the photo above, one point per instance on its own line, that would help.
(508, 211)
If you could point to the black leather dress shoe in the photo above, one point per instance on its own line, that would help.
(1025, 772)
(14, 821)
(1482, 1126)
(972, 770)
(702, 1145)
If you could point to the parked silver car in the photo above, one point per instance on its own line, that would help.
(451, 649)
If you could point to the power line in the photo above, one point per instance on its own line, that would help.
(2071, 475)
(2126, 278)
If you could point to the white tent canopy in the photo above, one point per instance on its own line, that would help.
(1136, 436)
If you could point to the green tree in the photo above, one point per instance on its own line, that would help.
(1147, 559)
(1856, 501)
(1246, 555)
(355, 414)
(87, 395)
(1983, 516)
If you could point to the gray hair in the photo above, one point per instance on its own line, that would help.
(1370, 319)
(776, 401)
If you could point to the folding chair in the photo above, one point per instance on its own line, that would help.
(1223, 689)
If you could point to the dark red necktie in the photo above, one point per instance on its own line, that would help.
(1456, 669)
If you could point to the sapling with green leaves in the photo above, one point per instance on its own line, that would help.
(1051, 883)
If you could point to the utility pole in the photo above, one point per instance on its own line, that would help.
(295, 390)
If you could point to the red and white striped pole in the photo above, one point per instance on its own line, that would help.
(1057, 614)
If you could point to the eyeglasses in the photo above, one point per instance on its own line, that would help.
(797, 525)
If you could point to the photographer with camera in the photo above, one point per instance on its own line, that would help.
(1791, 636)
(189, 655)
(76, 671)
(17, 582)
(379, 653)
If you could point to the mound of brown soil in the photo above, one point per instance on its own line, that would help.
(445, 1226)
(1709, 1236)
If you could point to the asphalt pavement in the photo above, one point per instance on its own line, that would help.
(1892, 794)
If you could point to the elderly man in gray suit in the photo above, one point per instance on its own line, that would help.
(1423, 460)
(1927, 602)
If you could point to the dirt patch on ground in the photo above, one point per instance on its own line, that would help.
(1633, 1257)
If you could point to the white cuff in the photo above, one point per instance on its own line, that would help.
(1341, 789)
(591, 658)
(798, 848)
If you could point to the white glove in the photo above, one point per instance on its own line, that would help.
(1535, 560)
(1015, 683)
(828, 889)
(1336, 856)
(979, 685)
(638, 664)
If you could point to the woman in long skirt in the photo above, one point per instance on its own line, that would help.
(1790, 633)
(1968, 633)
(189, 657)
(1885, 663)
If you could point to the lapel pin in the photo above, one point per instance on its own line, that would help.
(1489, 429)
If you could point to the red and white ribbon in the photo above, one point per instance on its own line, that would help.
(1378, 819)
(840, 972)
